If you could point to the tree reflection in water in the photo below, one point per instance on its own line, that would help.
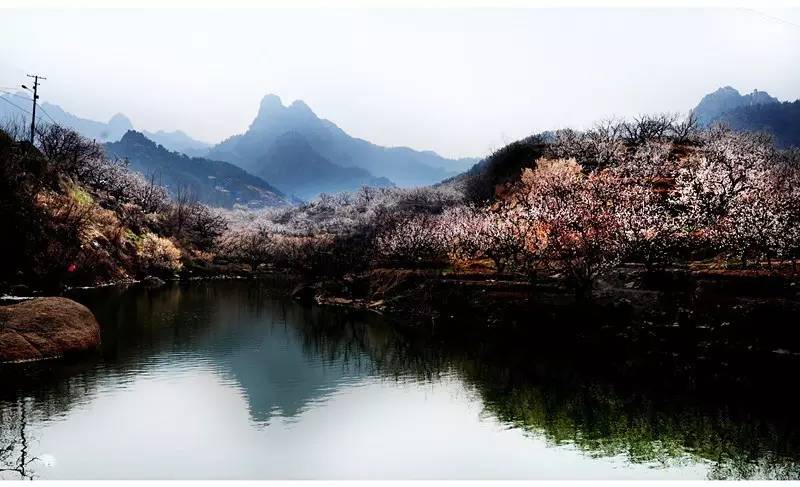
(15, 458)
(553, 391)
(639, 418)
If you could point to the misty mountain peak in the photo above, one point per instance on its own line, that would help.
(284, 143)
(270, 104)
(760, 97)
(728, 93)
(727, 98)
(132, 137)
(120, 122)
(300, 106)
(726, 90)
(273, 115)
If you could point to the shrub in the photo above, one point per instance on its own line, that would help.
(158, 254)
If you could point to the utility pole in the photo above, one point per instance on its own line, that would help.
(36, 79)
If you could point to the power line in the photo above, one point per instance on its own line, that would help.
(38, 105)
(48, 115)
(26, 111)
(26, 98)
(14, 104)
(772, 17)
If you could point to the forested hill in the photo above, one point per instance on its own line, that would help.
(782, 120)
(215, 183)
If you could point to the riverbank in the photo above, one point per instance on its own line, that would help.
(695, 311)
(698, 311)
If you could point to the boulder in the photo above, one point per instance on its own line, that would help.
(45, 328)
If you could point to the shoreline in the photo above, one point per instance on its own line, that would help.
(710, 310)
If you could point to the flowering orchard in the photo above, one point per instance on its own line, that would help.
(656, 191)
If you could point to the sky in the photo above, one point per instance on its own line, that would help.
(460, 81)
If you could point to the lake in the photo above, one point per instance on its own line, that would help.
(230, 380)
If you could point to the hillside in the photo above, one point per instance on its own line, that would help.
(401, 165)
(80, 218)
(215, 183)
(782, 120)
(178, 141)
(292, 165)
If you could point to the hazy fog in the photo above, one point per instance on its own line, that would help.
(456, 81)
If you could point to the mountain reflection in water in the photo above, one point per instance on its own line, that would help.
(229, 380)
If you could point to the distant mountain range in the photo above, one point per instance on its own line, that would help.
(161, 155)
(289, 150)
(289, 146)
(757, 111)
(254, 150)
(102, 132)
(215, 183)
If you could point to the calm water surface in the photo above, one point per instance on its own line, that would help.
(228, 380)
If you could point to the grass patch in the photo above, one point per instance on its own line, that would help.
(80, 196)
(132, 237)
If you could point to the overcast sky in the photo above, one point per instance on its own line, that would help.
(457, 81)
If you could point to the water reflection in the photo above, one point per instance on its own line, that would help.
(15, 456)
(332, 393)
